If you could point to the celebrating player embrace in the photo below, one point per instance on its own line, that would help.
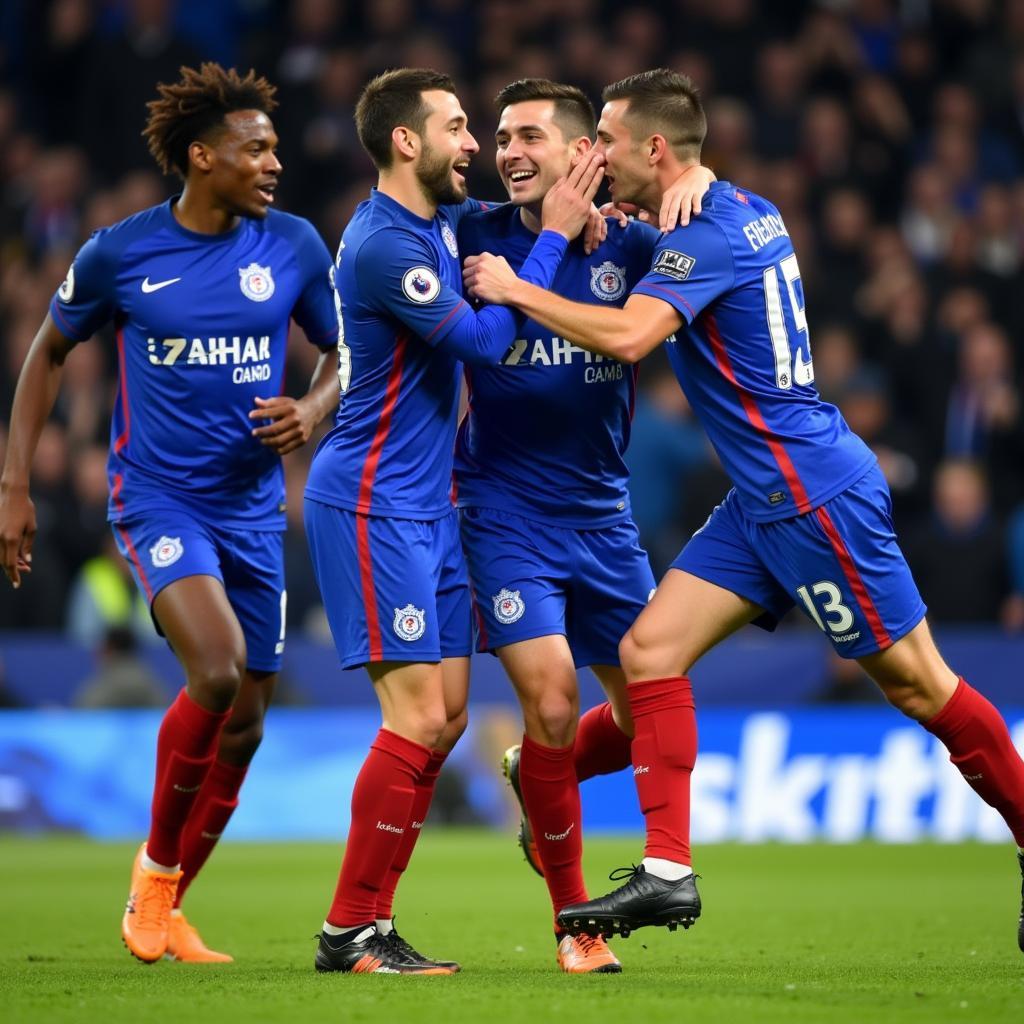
(200, 290)
(807, 523)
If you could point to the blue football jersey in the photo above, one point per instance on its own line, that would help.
(405, 325)
(546, 430)
(202, 327)
(743, 357)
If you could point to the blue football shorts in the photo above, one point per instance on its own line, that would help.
(393, 589)
(164, 546)
(840, 564)
(533, 579)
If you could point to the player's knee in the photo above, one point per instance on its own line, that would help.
(453, 730)
(551, 718)
(216, 681)
(240, 740)
(913, 700)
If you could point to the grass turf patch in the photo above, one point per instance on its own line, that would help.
(862, 933)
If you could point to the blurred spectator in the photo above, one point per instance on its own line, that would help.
(122, 679)
(665, 446)
(103, 597)
(959, 558)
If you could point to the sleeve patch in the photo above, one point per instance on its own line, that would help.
(674, 264)
(421, 284)
(66, 292)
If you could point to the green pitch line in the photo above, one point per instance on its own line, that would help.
(862, 934)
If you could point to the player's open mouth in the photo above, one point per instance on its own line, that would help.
(459, 169)
(266, 190)
(521, 175)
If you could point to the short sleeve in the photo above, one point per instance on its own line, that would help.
(316, 310)
(87, 299)
(691, 267)
(397, 274)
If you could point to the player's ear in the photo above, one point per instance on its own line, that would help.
(406, 142)
(200, 155)
(581, 147)
(656, 147)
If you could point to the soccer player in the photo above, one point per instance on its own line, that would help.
(808, 521)
(379, 516)
(554, 558)
(200, 290)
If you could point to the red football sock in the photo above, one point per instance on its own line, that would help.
(210, 815)
(979, 745)
(664, 750)
(382, 802)
(601, 746)
(185, 749)
(420, 806)
(547, 779)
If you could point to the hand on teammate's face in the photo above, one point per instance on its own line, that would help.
(568, 203)
(488, 278)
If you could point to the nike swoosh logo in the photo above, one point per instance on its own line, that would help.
(156, 286)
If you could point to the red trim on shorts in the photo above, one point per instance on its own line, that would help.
(369, 593)
(134, 556)
(115, 493)
(750, 407)
(122, 372)
(480, 624)
(860, 591)
(391, 390)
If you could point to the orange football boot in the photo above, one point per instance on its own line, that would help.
(147, 915)
(586, 954)
(185, 944)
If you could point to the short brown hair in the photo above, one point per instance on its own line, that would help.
(194, 107)
(574, 113)
(392, 99)
(663, 102)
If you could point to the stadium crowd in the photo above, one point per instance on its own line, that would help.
(890, 135)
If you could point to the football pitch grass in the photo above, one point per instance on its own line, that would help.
(861, 933)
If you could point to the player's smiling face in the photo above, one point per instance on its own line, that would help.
(448, 149)
(243, 166)
(629, 175)
(532, 153)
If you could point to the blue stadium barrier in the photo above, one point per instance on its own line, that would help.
(790, 776)
(751, 669)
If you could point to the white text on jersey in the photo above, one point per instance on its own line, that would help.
(222, 351)
(761, 231)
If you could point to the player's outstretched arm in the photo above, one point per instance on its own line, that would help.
(626, 334)
(38, 385)
(293, 420)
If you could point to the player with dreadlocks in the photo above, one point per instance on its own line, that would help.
(200, 291)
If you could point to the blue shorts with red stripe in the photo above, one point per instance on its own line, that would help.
(393, 589)
(840, 564)
(162, 547)
(533, 579)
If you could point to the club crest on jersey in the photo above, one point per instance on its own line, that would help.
(508, 606)
(674, 264)
(256, 282)
(608, 281)
(66, 291)
(421, 284)
(410, 623)
(448, 236)
(166, 551)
